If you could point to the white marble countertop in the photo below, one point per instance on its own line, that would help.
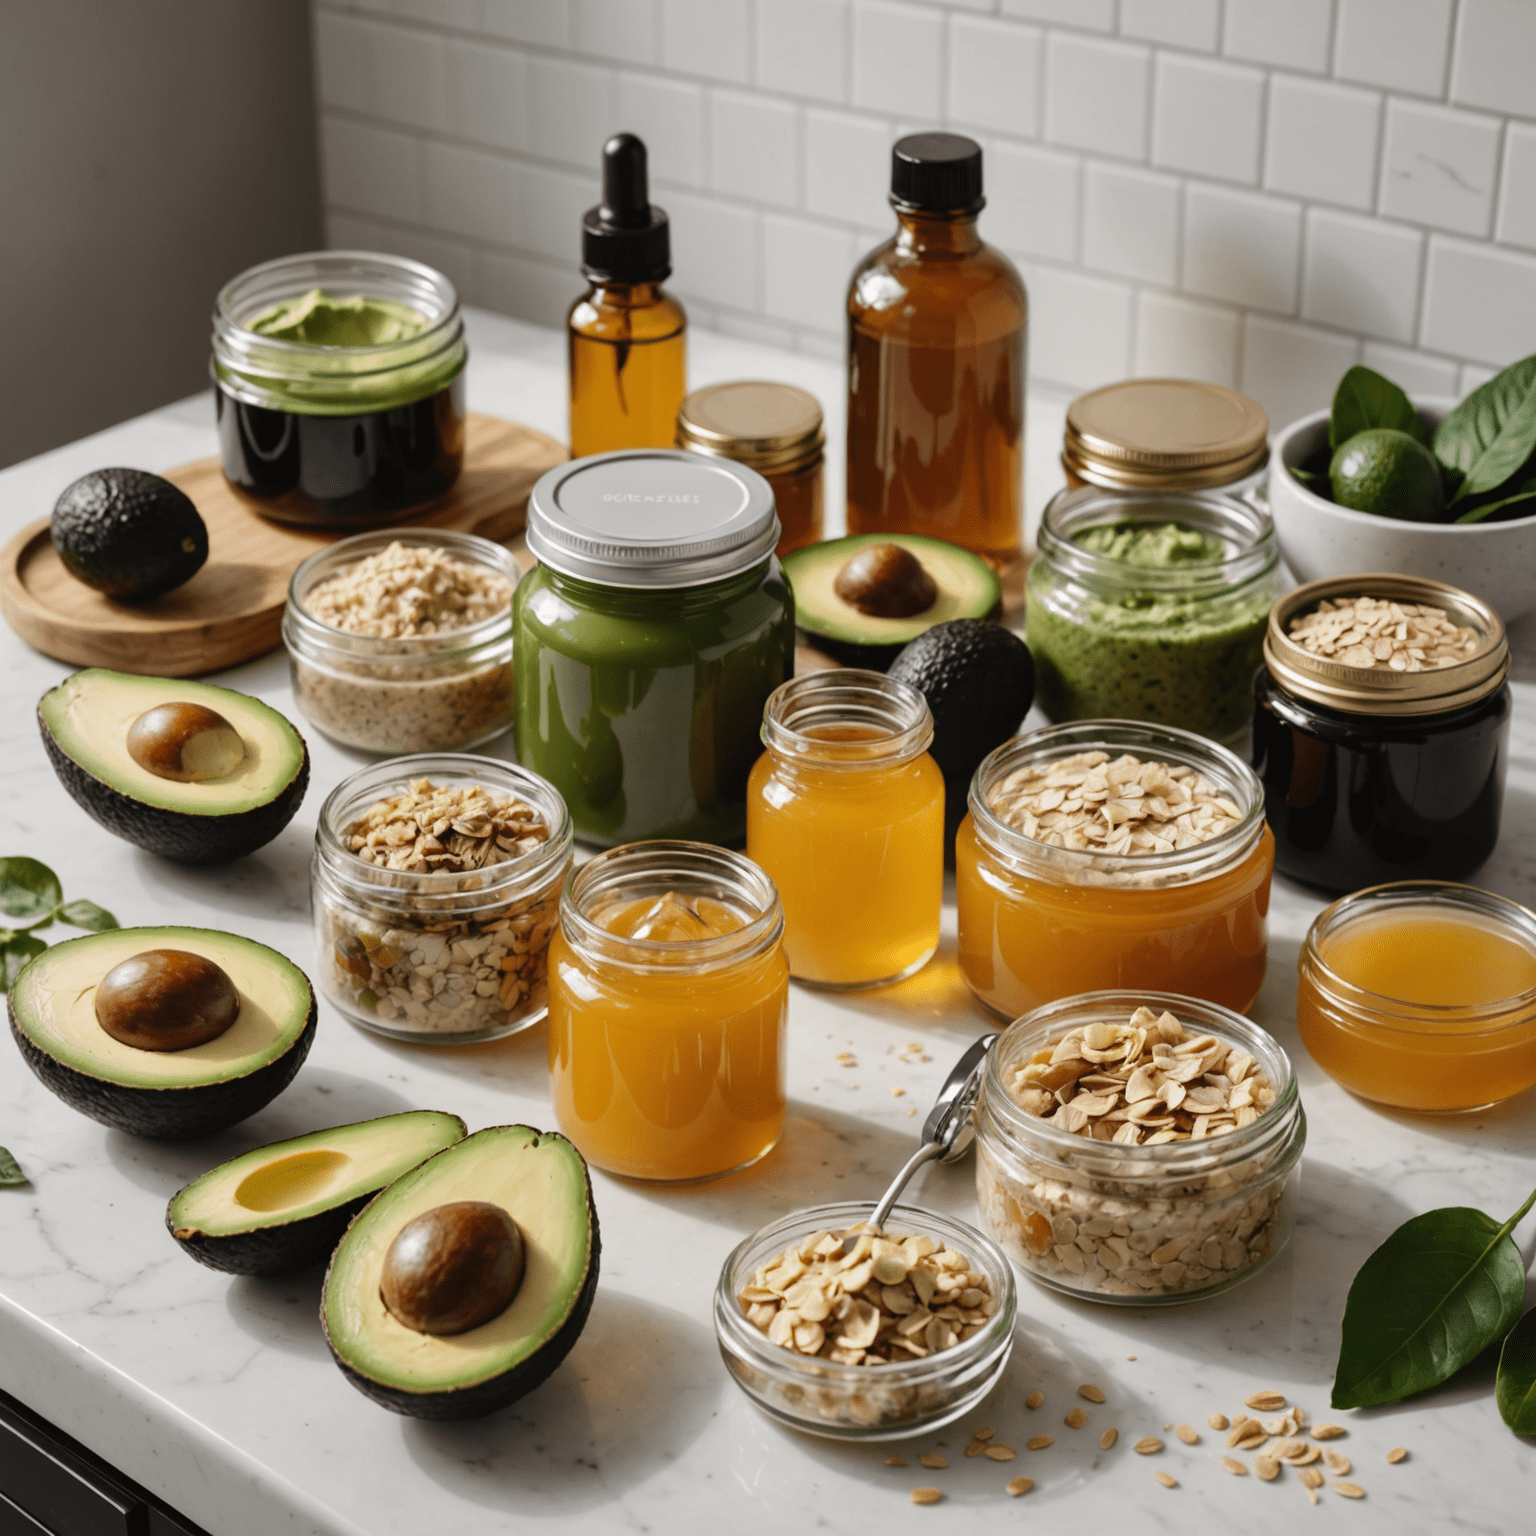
(219, 1396)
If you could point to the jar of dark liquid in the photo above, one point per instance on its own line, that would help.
(1375, 771)
(339, 386)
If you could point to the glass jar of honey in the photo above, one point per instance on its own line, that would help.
(667, 995)
(1107, 854)
(773, 428)
(845, 811)
(1422, 995)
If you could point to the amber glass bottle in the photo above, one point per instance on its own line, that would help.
(937, 324)
(627, 336)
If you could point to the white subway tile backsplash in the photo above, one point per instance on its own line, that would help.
(1080, 328)
(765, 333)
(347, 232)
(1400, 44)
(409, 72)
(806, 268)
(1321, 141)
(470, 192)
(1517, 194)
(553, 205)
(1131, 223)
(1438, 166)
(625, 30)
(1032, 201)
(705, 37)
(453, 259)
(546, 22)
(714, 250)
(1098, 15)
(848, 167)
(488, 94)
(1291, 33)
(570, 110)
(1207, 117)
(1096, 95)
(454, 13)
(897, 54)
(1474, 377)
(1184, 339)
(1361, 274)
(994, 75)
(1184, 23)
(370, 170)
(1292, 369)
(519, 285)
(1242, 247)
(754, 147)
(669, 116)
(343, 62)
(1411, 371)
(802, 47)
(1495, 59)
(1479, 302)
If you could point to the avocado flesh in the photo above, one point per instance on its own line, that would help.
(541, 1182)
(85, 723)
(163, 1093)
(968, 589)
(284, 1206)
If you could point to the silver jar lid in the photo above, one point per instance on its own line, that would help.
(652, 517)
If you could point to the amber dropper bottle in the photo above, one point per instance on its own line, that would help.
(628, 338)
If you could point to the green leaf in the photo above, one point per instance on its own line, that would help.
(1524, 500)
(86, 914)
(16, 952)
(1515, 1387)
(1437, 1293)
(1489, 437)
(28, 890)
(10, 1170)
(1364, 399)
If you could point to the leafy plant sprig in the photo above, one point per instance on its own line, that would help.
(31, 892)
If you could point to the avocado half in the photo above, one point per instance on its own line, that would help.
(85, 724)
(541, 1182)
(968, 589)
(284, 1206)
(170, 1094)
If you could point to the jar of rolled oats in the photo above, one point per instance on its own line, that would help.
(1138, 1147)
(436, 889)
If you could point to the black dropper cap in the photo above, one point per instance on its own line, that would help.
(625, 239)
(937, 173)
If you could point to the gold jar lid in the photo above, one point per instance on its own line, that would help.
(1380, 690)
(756, 422)
(1174, 433)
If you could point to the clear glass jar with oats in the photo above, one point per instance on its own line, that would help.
(401, 641)
(1138, 1147)
(436, 888)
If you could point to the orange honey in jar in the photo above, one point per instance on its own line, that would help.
(845, 811)
(667, 996)
(1422, 995)
(1108, 855)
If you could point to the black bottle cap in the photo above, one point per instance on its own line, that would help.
(937, 173)
(625, 239)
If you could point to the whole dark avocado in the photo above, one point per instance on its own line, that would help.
(128, 534)
(979, 681)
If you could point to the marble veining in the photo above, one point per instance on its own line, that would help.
(220, 1396)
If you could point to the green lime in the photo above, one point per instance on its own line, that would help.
(1387, 472)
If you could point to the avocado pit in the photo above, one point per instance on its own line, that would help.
(453, 1267)
(188, 743)
(166, 1000)
(886, 581)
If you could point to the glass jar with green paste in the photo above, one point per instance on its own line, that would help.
(1151, 605)
(647, 640)
(339, 387)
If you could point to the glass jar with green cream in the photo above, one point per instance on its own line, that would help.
(647, 640)
(1151, 605)
(339, 386)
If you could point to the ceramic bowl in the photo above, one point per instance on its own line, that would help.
(1319, 538)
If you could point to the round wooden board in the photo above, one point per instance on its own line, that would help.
(232, 610)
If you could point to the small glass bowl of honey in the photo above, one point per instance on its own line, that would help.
(1421, 995)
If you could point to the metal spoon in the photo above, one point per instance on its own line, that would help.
(948, 1133)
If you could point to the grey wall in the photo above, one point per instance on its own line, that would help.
(149, 149)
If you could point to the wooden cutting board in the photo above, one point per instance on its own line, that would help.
(232, 610)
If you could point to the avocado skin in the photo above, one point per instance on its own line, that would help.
(178, 835)
(123, 532)
(267, 1251)
(168, 1114)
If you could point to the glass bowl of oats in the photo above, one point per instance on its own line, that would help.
(1138, 1147)
(401, 641)
(905, 1333)
(436, 889)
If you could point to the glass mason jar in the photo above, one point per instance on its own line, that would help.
(666, 1055)
(1175, 643)
(647, 641)
(422, 693)
(1139, 1225)
(433, 957)
(1374, 776)
(340, 436)
(1460, 1038)
(845, 811)
(1038, 923)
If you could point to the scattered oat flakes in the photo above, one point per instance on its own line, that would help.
(1108, 1438)
(933, 1461)
(898, 1093)
(1349, 1490)
(1167, 1479)
(1000, 1453)
(1186, 1434)
(1017, 1485)
(895, 1461)
(926, 1495)
(1264, 1402)
(1310, 1476)
(1311, 1495)
(1328, 1431)
(1092, 1393)
(1297, 1453)
(1266, 1468)
(1034, 1399)
(1148, 1445)
(1397, 1453)
(1130, 1357)
(1234, 1466)
(975, 1448)
(1338, 1463)
(1382, 635)
(1076, 1419)
(1218, 1421)
(986, 1432)
(1039, 1442)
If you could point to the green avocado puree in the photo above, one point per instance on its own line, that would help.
(1106, 650)
(320, 319)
